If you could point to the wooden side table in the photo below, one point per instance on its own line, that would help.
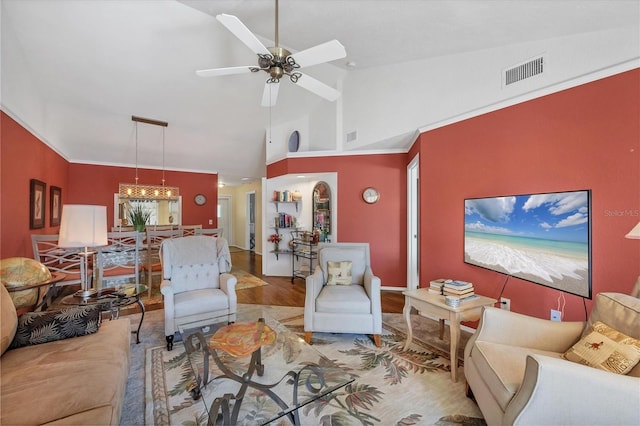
(433, 305)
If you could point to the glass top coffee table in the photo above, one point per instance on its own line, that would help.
(255, 371)
(112, 299)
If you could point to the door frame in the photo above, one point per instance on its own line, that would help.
(247, 234)
(227, 233)
(413, 223)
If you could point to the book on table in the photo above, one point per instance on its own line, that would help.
(454, 291)
(458, 285)
(461, 295)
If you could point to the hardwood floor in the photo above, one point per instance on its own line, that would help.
(282, 292)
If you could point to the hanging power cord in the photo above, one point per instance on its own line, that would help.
(560, 306)
(502, 291)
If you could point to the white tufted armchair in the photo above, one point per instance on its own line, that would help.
(352, 308)
(196, 284)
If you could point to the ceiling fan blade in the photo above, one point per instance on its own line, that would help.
(215, 72)
(270, 94)
(318, 87)
(238, 29)
(325, 52)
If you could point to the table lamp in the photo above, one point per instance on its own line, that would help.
(83, 226)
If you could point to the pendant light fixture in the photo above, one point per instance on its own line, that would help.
(149, 192)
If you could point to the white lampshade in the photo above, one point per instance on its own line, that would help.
(634, 234)
(83, 226)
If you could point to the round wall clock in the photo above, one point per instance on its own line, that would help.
(370, 195)
(200, 199)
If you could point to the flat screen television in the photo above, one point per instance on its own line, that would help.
(542, 238)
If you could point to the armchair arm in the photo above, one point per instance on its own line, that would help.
(167, 293)
(314, 283)
(510, 328)
(372, 287)
(557, 391)
(228, 285)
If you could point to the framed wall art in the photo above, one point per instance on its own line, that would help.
(55, 203)
(37, 197)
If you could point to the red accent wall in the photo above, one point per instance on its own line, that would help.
(93, 184)
(383, 224)
(24, 157)
(587, 137)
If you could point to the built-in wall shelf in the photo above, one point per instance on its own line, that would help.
(277, 203)
(279, 252)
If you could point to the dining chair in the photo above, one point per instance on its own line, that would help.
(119, 261)
(190, 230)
(152, 264)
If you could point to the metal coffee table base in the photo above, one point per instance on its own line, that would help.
(225, 410)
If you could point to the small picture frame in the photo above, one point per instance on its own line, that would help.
(55, 203)
(37, 205)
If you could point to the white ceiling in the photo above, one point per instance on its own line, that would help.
(75, 71)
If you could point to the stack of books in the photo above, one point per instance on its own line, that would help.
(460, 289)
(436, 286)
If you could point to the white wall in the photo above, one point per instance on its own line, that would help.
(281, 265)
(385, 102)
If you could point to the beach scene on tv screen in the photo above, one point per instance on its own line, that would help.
(543, 238)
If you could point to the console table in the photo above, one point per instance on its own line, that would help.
(430, 304)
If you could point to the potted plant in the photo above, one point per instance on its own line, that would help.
(139, 217)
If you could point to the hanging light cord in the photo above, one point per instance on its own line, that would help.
(163, 156)
(136, 153)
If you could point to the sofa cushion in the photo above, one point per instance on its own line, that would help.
(199, 302)
(340, 299)
(86, 374)
(606, 349)
(35, 328)
(502, 367)
(9, 320)
(339, 273)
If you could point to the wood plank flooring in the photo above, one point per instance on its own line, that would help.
(282, 292)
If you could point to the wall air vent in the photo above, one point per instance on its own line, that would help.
(351, 136)
(525, 70)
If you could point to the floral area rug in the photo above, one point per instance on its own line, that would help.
(391, 386)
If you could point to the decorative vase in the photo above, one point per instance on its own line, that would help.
(139, 227)
(277, 246)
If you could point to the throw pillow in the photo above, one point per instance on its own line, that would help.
(606, 349)
(35, 328)
(339, 273)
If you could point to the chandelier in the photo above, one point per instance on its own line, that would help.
(148, 192)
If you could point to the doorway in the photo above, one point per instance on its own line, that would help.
(224, 217)
(250, 240)
(413, 223)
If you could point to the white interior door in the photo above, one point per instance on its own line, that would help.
(413, 224)
(224, 217)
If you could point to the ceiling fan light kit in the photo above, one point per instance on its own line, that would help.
(279, 62)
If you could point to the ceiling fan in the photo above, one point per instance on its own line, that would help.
(279, 62)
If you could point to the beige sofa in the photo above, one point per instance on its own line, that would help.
(75, 381)
(514, 367)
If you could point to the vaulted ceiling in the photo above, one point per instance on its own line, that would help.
(74, 72)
